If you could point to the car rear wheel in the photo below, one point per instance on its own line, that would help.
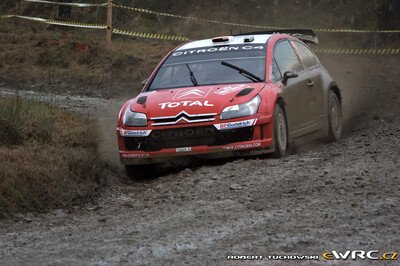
(280, 132)
(334, 118)
(141, 172)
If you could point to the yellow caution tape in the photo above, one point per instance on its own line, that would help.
(147, 11)
(356, 31)
(5, 16)
(150, 35)
(61, 22)
(99, 26)
(65, 4)
(384, 51)
(358, 51)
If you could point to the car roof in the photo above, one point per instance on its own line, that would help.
(233, 40)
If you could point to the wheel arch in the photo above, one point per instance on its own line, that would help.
(335, 88)
(281, 102)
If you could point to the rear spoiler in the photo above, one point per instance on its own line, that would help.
(306, 35)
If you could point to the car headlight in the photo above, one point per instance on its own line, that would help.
(134, 119)
(244, 109)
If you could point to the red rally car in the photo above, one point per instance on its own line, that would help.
(234, 95)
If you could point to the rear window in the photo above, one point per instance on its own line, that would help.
(205, 63)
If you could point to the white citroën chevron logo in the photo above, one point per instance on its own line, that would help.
(194, 93)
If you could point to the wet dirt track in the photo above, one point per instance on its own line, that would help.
(338, 196)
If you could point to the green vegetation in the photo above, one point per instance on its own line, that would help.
(48, 158)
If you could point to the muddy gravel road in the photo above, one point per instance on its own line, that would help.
(339, 196)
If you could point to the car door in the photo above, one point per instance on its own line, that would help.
(294, 91)
(312, 73)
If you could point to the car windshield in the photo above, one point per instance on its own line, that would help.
(202, 66)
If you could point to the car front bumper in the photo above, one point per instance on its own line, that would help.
(260, 142)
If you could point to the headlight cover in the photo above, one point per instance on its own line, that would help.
(244, 109)
(134, 119)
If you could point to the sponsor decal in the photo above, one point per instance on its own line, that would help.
(182, 133)
(238, 124)
(135, 155)
(359, 254)
(184, 103)
(184, 149)
(194, 93)
(219, 49)
(135, 133)
(243, 146)
(229, 89)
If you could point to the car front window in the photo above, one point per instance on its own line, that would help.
(205, 64)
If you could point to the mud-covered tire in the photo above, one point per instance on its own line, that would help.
(335, 119)
(141, 172)
(281, 143)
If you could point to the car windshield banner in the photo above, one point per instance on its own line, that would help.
(217, 53)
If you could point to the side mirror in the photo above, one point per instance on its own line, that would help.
(144, 82)
(288, 75)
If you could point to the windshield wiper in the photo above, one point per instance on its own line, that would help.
(192, 77)
(243, 72)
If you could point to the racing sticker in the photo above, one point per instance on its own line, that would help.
(229, 89)
(243, 146)
(135, 155)
(220, 49)
(135, 133)
(184, 103)
(238, 124)
(184, 149)
(194, 93)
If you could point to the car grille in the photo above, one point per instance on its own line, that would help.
(187, 137)
(182, 116)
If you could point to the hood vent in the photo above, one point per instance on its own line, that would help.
(142, 100)
(244, 92)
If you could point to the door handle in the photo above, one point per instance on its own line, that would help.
(310, 83)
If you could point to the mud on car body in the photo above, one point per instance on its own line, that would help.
(233, 95)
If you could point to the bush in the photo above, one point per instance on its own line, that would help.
(21, 121)
(48, 158)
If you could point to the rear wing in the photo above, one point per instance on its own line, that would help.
(306, 35)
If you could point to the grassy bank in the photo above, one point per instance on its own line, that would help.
(48, 158)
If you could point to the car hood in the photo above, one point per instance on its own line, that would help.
(193, 100)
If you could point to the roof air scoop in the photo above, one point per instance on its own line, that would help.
(248, 38)
(221, 39)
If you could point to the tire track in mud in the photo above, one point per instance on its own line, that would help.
(337, 196)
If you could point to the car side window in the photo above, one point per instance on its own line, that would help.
(286, 58)
(276, 72)
(306, 55)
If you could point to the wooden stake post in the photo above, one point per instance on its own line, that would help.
(109, 22)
